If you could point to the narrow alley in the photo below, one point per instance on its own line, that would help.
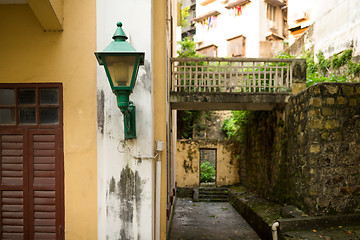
(208, 220)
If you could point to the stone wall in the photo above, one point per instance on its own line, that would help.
(188, 162)
(323, 126)
(309, 153)
(261, 154)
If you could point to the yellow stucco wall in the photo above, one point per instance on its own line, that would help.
(30, 55)
(188, 162)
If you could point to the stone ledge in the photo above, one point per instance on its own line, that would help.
(261, 214)
(319, 222)
(227, 101)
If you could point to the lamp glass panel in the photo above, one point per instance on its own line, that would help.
(120, 69)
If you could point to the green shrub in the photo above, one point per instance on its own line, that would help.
(207, 172)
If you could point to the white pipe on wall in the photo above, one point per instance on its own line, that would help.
(274, 230)
(157, 199)
(159, 149)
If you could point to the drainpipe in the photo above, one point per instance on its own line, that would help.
(159, 149)
(274, 230)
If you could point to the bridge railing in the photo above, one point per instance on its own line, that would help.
(232, 75)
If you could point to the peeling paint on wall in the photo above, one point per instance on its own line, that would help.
(144, 78)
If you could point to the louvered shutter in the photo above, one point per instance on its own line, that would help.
(13, 187)
(44, 184)
(31, 174)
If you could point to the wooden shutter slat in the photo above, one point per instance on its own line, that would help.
(12, 173)
(14, 221)
(13, 236)
(44, 215)
(12, 181)
(13, 207)
(12, 159)
(46, 229)
(44, 145)
(12, 215)
(45, 201)
(12, 138)
(11, 152)
(12, 167)
(44, 138)
(11, 145)
(47, 194)
(12, 229)
(44, 167)
(44, 173)
(12, 201)
(38, 160)
(16, 194)
(44, 208)
(45, 153)
(45, 236)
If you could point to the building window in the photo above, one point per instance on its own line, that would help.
(29, 104)
(236, 46)
(270, 12)
(208, 51)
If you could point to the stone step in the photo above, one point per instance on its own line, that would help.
(214, 200)
(211, 194)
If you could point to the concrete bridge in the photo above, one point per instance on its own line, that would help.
(234, 83)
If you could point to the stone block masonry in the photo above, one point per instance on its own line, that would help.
(323, 127)
(308, 154)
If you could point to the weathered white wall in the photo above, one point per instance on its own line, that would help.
(336, 24)
(125, 169)
(337, 27)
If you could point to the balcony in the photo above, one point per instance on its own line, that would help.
(233, 83)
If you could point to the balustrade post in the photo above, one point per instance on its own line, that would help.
(298, 75)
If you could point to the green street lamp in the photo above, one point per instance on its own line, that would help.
(121, 62)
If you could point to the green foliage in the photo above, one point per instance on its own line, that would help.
(327, 70)
(184, 13)
(186, 122)
(323, 64)
(353, 68)
(311, 66)
(187, 48)
(207, 172)
(313, 78)
(233, 126)
(284, 55)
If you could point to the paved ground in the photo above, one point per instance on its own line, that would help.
(207, 220)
